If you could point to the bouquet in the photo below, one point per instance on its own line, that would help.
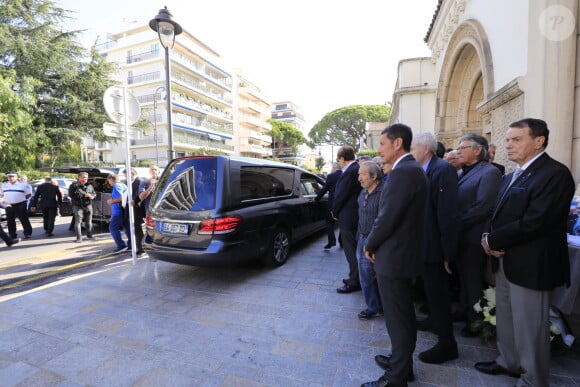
(560, 338)
(485, 309)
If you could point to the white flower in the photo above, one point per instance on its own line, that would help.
(477, 307)
(489, 295)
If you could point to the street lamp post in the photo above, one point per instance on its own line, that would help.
(155, 137)
(167, 29)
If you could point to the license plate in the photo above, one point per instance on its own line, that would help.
(174, 228)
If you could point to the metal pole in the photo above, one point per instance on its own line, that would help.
(170, 151)
(128, 176)
(155, 128)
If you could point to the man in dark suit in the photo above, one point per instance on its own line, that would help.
(345, 209)
(442, 224)
(50, 199)
(477, 190)
(329, 187)
(138, 212)
(395, 245)
(492, 149)
(527, 235)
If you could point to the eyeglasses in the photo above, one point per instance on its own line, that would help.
(460, 148)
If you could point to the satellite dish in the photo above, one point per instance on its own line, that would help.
(113, 99)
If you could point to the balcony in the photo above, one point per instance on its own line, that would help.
(201, 143)
(156, 75)
(255, 149)
(143, 56)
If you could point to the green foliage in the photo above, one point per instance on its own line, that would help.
(346, 126)
(60, 87)
(368, 152)
(319, 163)
(286, 135)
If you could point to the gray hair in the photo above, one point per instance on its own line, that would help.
(426, 138)
(374, 170)
(478, 142)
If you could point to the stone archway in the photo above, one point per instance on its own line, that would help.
(466, 80)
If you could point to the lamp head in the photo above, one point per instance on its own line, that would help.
(166, 27)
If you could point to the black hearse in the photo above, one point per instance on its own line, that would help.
(211, 210)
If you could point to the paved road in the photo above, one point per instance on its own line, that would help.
(161, 324)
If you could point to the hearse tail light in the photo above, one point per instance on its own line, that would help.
(149, 223)
(219, 225)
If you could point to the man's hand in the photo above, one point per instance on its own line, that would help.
(488, 250)
(447, 267)
(370, 256)
(32, 209)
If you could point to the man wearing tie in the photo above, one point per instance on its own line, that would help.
(395, 245)
(527, 236)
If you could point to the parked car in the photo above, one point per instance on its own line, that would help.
(211, 210)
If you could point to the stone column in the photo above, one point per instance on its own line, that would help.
(550, 80)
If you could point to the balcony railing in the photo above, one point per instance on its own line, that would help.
(143, 56)
(198, 142)
(144, 77)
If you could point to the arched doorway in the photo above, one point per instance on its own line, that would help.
(466, 80)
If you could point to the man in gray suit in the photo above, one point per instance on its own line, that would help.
(395, 245)
(477, 191)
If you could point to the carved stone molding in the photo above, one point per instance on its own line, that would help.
(448, 22)
(501, 97)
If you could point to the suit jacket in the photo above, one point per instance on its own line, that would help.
(50, 196)
(500, 167)
(529, 223)
(442, 220)
(345, 205)
(477, 192)
(329, 186)
(397, 234)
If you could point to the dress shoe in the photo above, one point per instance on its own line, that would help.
(382, 382)
(439, 353)
(424, 325)
(492, 368)
(27, 236)
(49, 234)
(348, 289)
(384, 361)
(14, 241)
(328, 246)
(366, 315)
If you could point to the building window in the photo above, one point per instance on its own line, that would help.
(282, 107)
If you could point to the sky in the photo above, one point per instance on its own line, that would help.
(320, 54)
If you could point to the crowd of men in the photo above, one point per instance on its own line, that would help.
(16, 193)
(433, 217)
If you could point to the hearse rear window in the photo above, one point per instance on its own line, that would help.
(265, 182)
(190, 185)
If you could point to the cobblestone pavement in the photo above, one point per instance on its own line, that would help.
(160, 324)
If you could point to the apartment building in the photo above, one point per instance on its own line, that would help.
(201, 97)
(251, 111)
(289, 112)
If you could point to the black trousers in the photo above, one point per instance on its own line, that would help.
(436, 284)
(19, 211)
(330, 229)
(48, 217)
(139, 233)
(349, 242)
(397, 299)
(470, 264)
(5, 237)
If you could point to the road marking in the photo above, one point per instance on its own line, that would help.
(59, 270)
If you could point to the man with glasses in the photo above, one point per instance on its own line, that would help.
(478, 186)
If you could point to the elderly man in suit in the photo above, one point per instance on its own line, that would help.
(442, 225)
(395, 245)
(345, 209)
(50, 199)
(477, 190)
(329, 186)
(527, 236)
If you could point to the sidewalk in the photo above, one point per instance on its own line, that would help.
(160, 324)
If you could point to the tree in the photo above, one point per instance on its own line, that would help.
(285, 136)
(319, 163)
(346, 126)
(65, 100)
